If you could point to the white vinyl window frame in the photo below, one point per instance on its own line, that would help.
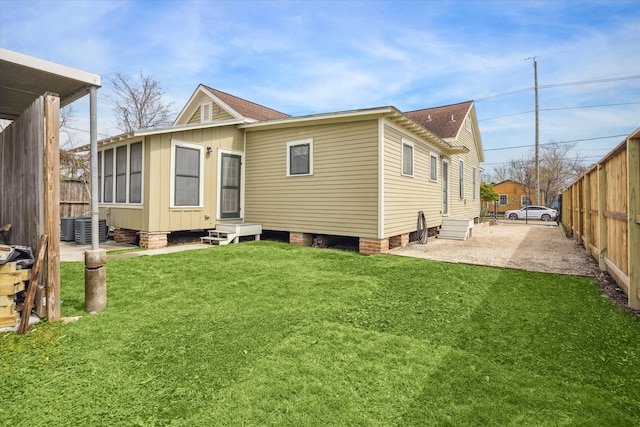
(461, 179)
(175, 144)
(408, 160)
(108, 175)
(302, 142)
(433, 166)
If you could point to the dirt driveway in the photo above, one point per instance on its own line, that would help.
(533, 247)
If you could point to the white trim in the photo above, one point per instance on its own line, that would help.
(381, 125)
(433, 155)
(179, 143)
(408, 143)
(222, 151)
(290, 144)
(499, 198)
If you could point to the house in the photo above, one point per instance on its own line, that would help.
(513, 195)
(364, 174)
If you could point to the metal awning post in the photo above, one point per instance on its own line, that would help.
(95, 260)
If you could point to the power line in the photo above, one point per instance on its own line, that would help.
(509, 161)
(556, 142)
(561, 108)
(554, 85)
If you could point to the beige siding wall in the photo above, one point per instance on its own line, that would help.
(468, 206)
(156, 215)
(340, 197)
(405, 196)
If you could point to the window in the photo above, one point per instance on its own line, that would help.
(525, 200)
(121, 174)
(300, 157)
(504, 200)
(473, 177)
(187, 167)
(407, 158)
(108, 175)
(100, 176)
(205, 112)
(461, 186)
(433, 167)
(135, 173)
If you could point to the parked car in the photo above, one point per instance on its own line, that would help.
(532, 212)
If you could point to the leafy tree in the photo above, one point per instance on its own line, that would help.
(487, 194)
(139, 105)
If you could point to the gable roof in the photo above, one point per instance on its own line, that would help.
(444, 121)
(245, 108)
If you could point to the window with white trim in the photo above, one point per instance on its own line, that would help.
(187, 166)
(300, 157)
(407, 157)
(504, 200)
(120, 174)
(135, 172)
(433, 167)
(108, 175)
(461, 182)
(473, 179)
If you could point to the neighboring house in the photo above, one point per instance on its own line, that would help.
(362, 173)
(513, 195)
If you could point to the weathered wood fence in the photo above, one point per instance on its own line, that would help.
(74, 198)
(602, 210)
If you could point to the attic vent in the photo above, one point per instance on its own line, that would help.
(205, 112)
(429, 118)
(453, 120)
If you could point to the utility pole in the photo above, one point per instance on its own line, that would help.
(535, 80)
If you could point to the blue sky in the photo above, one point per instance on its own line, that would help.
(304, 57)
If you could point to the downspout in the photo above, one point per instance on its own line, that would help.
(381, 178)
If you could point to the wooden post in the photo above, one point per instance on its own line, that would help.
(52, 203)
(602, 221)
(586, 189)
(633, 170)
(33, 284)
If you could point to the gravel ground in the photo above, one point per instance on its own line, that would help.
(532, 247)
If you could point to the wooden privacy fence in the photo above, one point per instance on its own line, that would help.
(74, 198)
(602, 210)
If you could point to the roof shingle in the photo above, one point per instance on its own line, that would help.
(444, 121)
(247, 108)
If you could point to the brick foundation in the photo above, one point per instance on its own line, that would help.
(374, 246)
(124, 235)
(399, 241)
(300, 239)
(153, 240)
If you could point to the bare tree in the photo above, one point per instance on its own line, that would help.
(501, 173)
(557, 170)
(73, 165)
(139, 105)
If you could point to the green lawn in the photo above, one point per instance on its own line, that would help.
(264, 333)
